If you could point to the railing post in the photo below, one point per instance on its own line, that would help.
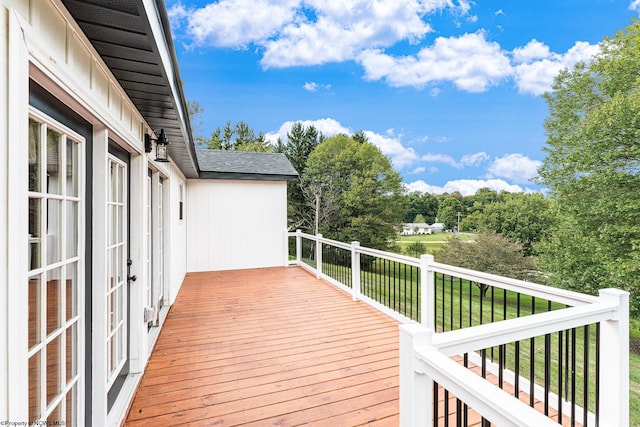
(427, 291)
(614, 361)
(298, 246)
(286, 247)
(318, 255)
(355, 270)
(416, 399)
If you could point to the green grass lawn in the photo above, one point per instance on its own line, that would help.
(634, 390)
(432, 242)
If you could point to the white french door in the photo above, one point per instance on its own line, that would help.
(56, 272)
(117, 343)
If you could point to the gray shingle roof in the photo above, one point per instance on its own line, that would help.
(223, 164)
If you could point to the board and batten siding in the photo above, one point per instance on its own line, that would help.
(235, 224)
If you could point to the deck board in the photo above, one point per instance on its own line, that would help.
(275, 347)
(269, 347)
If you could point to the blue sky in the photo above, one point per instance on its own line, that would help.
(449, 90)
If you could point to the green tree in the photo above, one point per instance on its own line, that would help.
(419, 219)
(424, 204)
(523, 218)
(357, 184)
(489, 252)
(301, 141)
(416, 249)
(592, 170)
(239, 137)
(195, 111)
(448, 212)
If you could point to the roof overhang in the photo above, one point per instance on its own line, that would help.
(133, 37)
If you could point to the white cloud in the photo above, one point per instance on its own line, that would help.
(470, 62)
(309, 32)
(328, 127)
(310, 86)
(314, 87)
(391, 146)
(439, 158)
(237, 23)
(418, 170)
(466, 187)
(536, 66)
(474, 159)
(515, 167)
(635, 6)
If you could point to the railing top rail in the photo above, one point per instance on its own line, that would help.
(506, 331)
(390, 256)
(491, 402)
(549, 293)
(533, 289)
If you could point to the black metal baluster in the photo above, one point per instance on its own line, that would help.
(532, 358)
(585, 376)
(446, 408)
(573, 377)
(597, 374)
(547, 372)
(516, 368)
(560, 369)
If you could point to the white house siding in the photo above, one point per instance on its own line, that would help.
(234, 224)
(41, 41)
(176, 244)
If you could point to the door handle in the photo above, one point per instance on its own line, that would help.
(132, 278)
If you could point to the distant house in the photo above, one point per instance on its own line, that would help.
(416, 228)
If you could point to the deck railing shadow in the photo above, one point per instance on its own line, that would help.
(563, 353)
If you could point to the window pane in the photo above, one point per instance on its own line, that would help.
(72, 229)
(55, 417)
(34, 155)
(35, 311)
(72, 352)
(71, 419)
(72, 290)
(54, 184)
(35, 392)
(54, 301)
(35, 214)
(54, 227)
(54, 377)
(72, 168)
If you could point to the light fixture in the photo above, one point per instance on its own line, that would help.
(162, 154)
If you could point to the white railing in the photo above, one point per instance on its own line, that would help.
(425, 355)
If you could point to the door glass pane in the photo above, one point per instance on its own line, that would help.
(35, 310)
(71, 351)
(72, 229)
(71, 419)
(54, 179)
(35, 392)
(54, 228)
(72, 168)
(54, 300)
(54, 377)
(35, 215)
(72, 290)
(35, 155)
(55, 417)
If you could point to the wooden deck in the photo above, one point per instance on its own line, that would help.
(269, 347)
(274, 347)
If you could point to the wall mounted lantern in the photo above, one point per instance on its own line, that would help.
(162, 154)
